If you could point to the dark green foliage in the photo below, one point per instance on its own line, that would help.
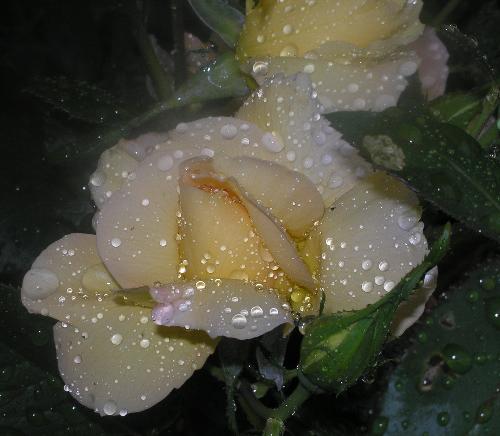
(447, 382)
(459, 177)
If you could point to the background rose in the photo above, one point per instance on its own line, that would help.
(359, 53)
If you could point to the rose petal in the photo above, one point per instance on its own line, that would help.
(368, 242)
(433, 70)
(411, 310)
(289, 109)
(362, 85)
(288, 195)
(68, 281)
(125, 363)
(136, 229)
(118, 162)
(232, 308)
(228, 197)
(219, 240)
(276, 28)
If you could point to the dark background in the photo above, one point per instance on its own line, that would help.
(91, 42)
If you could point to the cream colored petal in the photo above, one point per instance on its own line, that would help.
(278, 28)
(68, 281)
(369, 241)
(125, 363)
(411, 310)
(232, 308)
(118, 162)
(288, 195)
(433, 70)
(279, 244)
(136, 229)
(218, 239)
(206, 192)
(305, 142)
(362, 85)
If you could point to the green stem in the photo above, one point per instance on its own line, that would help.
(162, 82)
(445, 12)
(292, 403)
(176, 7)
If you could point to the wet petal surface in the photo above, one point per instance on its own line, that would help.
(226, 307)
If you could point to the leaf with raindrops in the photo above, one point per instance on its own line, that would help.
(440, 161)
(448, 380)
(79, 100)
(222, 18)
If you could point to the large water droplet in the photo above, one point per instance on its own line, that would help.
(239, 321)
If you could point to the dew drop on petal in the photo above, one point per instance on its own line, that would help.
(116, 339)
(239, 321)
(109, 408)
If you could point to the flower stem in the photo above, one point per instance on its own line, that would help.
(274, 427)
(292, 403)
(445, 12)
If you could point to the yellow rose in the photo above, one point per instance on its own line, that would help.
(357, 52)
(227, 223)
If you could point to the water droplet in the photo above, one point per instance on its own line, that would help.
(407, 220)
(389, 286)
(484, 412)
(380, 425)
(367, 286)
(443, 418)
(39, 283)
(287, 29)
(165, 163)
(457, 358)
(109, 408)
(288, 51)
(272, 143)
(116, 242)
(383, 266)
(144, 343)
(239, 321)
(366, 264)
(97, 179)
(273, 311)
(229, 131)
(493, 311)
(256, 312)
(116, 339)
(260, 68)
(77, 359)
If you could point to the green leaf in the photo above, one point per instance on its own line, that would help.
(222, 18)
(457, 108)
(220, 79)
(337, 349)
(79, 99)
(447, 382)
(440, 161)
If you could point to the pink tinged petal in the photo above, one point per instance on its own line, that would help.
(290, 110)
(369, 241)
(118, 163)
(68, 281)
(433, 70)
(226, 307)
(125, 363)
